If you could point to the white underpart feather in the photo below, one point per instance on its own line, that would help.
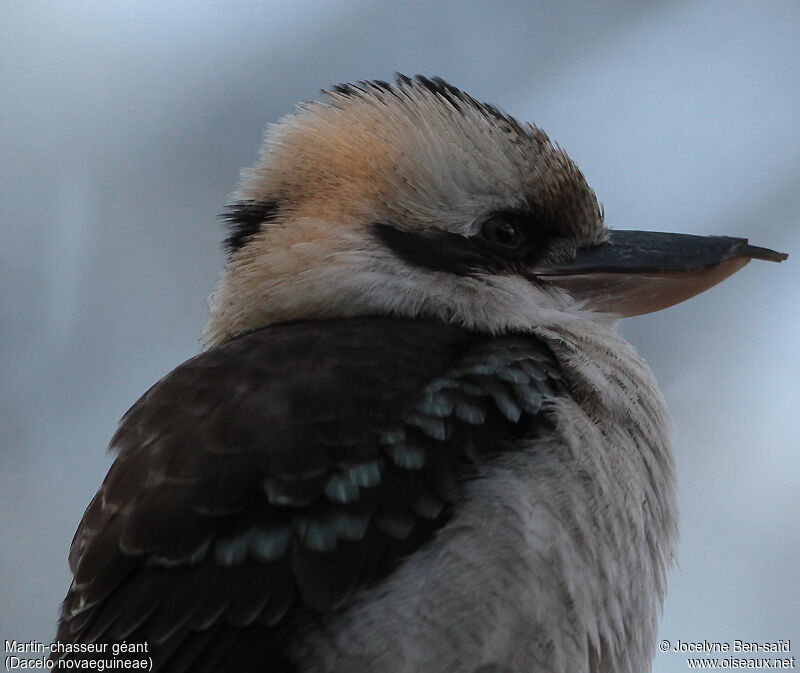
(556, 560)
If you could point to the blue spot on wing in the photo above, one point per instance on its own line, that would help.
(268, 544)
(341, 489)
(367, 474)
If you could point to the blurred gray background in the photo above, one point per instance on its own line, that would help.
(125, 124)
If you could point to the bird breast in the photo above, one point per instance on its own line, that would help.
(557, 558)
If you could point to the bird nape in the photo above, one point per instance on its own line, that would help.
(414, 441)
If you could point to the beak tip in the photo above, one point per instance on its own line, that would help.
(744, 249)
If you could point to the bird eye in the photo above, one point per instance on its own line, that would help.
(501, 232)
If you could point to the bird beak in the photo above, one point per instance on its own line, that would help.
(636, 272)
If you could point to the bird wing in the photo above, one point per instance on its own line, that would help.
(263, 482)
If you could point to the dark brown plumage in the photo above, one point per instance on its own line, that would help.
(260, 484)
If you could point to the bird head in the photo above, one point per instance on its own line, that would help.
(413, 199)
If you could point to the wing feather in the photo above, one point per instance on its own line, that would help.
(268, 480)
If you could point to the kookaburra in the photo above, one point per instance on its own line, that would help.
(414, 441)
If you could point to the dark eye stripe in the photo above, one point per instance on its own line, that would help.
(245, 219)
(462, 255)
